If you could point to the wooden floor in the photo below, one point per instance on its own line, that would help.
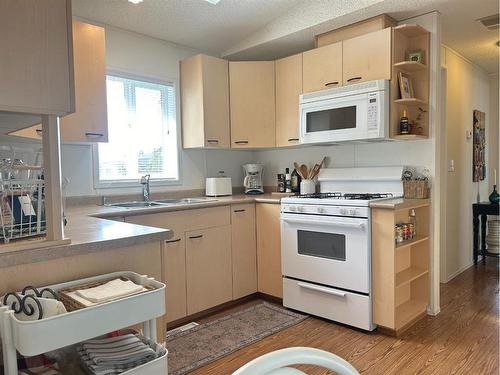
(462, 339)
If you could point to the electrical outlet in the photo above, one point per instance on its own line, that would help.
(468, 134)
(451, 165)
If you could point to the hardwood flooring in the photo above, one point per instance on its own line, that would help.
(462, 339)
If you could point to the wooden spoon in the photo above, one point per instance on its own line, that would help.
(297, 168)
(304, 171)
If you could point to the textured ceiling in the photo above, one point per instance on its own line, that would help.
(265, 29)
(193, 23)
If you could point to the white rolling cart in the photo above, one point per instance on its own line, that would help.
(36, 337)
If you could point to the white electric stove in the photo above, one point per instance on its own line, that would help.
(326, 243)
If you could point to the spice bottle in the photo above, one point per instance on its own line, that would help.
(404, 124)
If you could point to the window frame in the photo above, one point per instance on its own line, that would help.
(174, 82)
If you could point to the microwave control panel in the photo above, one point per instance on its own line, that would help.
(373, 99)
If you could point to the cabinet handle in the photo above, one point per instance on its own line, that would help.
(334, 83)
(293, 139)
(241, 142)
(39, 132)
(242, 210)
(212, 141)
(196, 237)
(354, 79)
(172, 241)
(88, 134)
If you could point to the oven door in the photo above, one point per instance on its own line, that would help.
(328, 250)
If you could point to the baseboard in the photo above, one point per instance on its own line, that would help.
(270, 298)
(458, 272)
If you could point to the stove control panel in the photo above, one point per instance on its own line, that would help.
(326, 210)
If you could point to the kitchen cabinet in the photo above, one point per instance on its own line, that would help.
(174, 265)
(288, 89)
(37, 57)
(269, 249)
(252, 104)
(244, 250)
(208, 268)
(205, 102)
(89, 123)
(367, 57)
(322, 67)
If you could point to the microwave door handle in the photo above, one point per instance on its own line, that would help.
(321, 289)
(312, 221)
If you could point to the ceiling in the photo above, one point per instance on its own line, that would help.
(258, 29)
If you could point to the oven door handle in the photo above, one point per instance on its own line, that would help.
(316, 221)
(321, 289)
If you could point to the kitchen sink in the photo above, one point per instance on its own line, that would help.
(184, 200)
(134, 204)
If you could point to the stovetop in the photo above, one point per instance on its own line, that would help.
(348, 196)
(336, 199)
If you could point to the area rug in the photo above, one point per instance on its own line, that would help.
(200, 345)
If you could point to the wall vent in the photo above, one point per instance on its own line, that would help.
(490, 22)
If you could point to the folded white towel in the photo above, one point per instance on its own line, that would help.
(50, 307)
(111, 290)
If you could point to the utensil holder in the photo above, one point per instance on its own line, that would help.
(307, 187)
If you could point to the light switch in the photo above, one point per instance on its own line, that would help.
(468, 134)
(451, 165)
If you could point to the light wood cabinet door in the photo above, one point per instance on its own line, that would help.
(269, 249)
(208, 268)
(288, 89)
(367, 57)
(205, 102)
(244, 250)
(322, 67)
(89, 123)
(36, 67)
(174, 268)
(252, 104)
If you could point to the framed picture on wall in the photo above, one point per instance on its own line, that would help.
(405, 86)
(479, 146)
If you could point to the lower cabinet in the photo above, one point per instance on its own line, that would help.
(174, 266)
(208, 268)
(269, 249)
(244, 250)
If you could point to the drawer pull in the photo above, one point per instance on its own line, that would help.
(321, 289)
(241, 142)
(293, 139)
(334, 83)
(353, 79)
(88, 134)
(39, 131)
(172, 241)
(242, 210)
(196, 237)
(212, 141)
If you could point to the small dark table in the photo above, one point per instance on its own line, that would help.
(482, 209)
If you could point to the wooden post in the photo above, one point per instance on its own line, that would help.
(52, 175)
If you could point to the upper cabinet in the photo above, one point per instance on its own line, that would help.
(367, 57)
(288, 89)
(36, 68)
(322, 67)
(252, 105)
(89, 122)
(205, 102)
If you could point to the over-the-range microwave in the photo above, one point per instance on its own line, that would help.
(351, 113)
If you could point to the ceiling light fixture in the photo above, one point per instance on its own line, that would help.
(135, 1)
(214, 2)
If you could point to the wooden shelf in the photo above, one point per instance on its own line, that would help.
(408, 275)
(413, 241)
(410, 137)
(411, 30)
(410, 66)
(410, 101)
(408, 311)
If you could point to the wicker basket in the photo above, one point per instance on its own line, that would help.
(71, 304)
(416, 189)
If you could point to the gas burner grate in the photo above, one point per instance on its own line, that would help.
(367, 196)
(321, 195)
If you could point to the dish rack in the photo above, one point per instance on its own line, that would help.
(22, 211)
(36, 337)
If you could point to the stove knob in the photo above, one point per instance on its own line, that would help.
(352, 212)
(343, 211)
(299, 209)
(292, 208)
(320, 210)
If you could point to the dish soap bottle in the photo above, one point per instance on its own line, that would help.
(404, 124)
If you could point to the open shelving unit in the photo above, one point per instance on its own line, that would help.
(400, 272)
(405, 38)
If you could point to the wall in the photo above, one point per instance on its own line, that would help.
(468, 88)
(493, 159)
(144, 56)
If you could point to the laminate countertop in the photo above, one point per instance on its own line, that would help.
(91, 229)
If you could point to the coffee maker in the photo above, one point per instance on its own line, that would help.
(253, 179)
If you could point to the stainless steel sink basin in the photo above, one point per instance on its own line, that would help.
(134, 204)
(185, 200)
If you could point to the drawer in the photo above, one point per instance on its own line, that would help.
(330, 303)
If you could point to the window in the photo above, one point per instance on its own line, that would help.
(142, 132)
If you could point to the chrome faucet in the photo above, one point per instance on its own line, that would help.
(145, 187)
